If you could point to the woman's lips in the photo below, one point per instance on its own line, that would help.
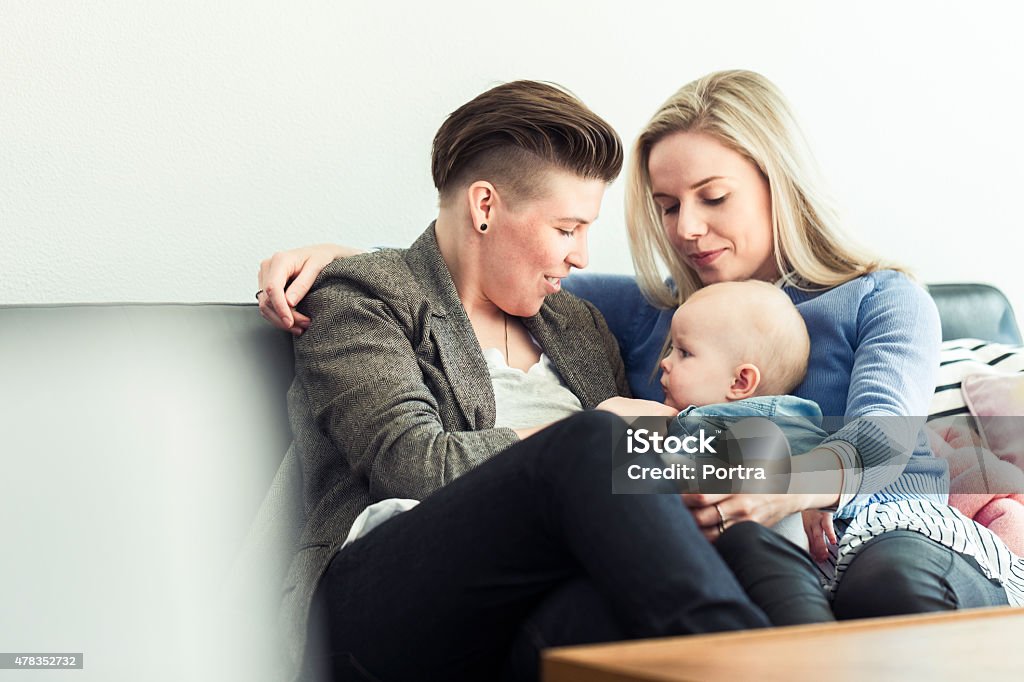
(702, 259)
(554, 284)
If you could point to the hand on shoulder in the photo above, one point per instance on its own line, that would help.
(286, 277)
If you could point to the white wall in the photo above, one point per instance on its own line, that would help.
(156, 151)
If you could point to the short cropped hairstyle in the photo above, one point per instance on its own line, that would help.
(513, 133)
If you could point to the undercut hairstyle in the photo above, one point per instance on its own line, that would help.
(514, 133)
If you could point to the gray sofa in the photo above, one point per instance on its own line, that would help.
(140, 443)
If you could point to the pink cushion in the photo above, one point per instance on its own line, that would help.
(998, 403)
(973, 470)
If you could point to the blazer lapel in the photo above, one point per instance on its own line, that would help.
(579, 359)
(452, 334)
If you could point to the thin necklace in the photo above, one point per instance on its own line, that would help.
(508, 360)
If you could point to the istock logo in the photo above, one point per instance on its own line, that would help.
(642, 441)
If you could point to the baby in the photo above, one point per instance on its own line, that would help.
(736, 349)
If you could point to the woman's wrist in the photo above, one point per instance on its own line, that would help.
(816, 479)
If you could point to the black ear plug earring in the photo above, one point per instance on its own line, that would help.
(483, 227)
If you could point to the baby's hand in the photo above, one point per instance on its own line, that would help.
(818, 526)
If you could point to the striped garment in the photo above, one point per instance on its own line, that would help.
(941, 523)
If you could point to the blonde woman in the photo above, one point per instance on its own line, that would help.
(723, 188)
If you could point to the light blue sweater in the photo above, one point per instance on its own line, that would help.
(874, 354)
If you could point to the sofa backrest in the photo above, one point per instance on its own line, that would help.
(978, 311)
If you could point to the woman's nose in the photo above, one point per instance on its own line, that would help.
(691, 223)
(579, 257)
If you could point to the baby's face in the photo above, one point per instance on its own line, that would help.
(698, 369)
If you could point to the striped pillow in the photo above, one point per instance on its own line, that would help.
(961, 358)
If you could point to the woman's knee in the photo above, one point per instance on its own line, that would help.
(900, 572)
(749, 547)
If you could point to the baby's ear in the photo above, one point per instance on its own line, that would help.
(745, 380)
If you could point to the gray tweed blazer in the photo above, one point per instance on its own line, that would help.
(392, 396)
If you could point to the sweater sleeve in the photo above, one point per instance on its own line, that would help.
(897, 355)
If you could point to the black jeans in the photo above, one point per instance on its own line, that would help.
(449, 589)
(777, 576)
(904, 572)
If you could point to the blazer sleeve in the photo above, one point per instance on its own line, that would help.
(367, 392)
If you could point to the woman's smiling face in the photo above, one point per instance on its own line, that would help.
(531, 245)
(715, 207)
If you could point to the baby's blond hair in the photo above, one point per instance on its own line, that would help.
(767, 331)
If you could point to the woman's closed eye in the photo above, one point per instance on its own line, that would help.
(673, 209)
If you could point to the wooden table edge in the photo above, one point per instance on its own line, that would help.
(580, 662)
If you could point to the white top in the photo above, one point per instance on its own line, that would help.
(521, 399)
(525, 399)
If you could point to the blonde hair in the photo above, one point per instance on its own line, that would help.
(745, 112)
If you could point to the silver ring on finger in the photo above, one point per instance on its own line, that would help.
(721, 519)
